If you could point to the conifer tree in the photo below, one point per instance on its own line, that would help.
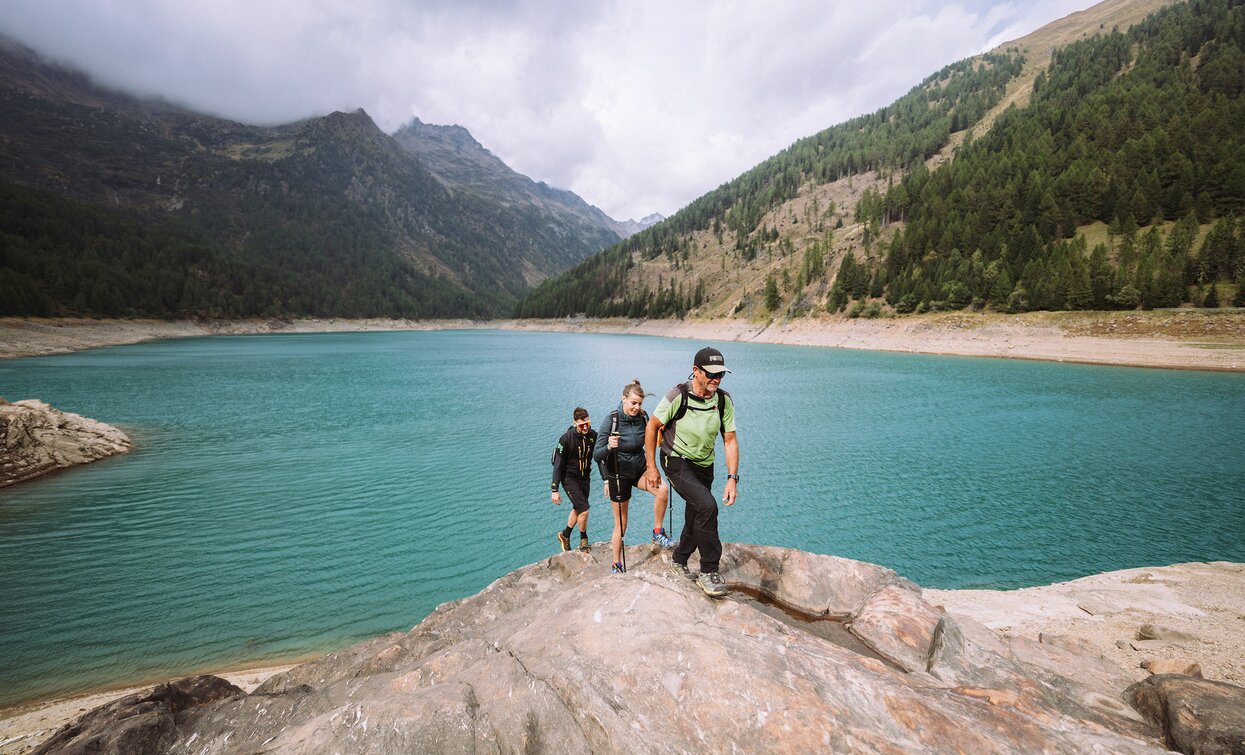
(1212, 297)
(771, 293)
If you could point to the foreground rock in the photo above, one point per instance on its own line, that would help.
(1146, 620)
(36, 439)
(809, 653)
(143, 722)
(1196, 715)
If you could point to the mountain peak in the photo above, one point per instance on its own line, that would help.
(452, 135)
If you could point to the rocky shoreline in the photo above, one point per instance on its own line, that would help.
(1175, 339)
(1047, 663)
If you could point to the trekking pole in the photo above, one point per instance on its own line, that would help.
(611, 464)
(670, 508)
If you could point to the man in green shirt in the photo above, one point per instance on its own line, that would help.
(688, 421)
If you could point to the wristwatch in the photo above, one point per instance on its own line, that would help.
(555, 487)
(734, 477)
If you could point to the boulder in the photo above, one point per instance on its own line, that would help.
(36, 439)
(1195, 715)
(1172, 666)
(807, 653)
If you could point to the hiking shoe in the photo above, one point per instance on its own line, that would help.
(681, 570)
(713, 584)
(584, 545)
(564, 541)
(659, 537)
(618, 568)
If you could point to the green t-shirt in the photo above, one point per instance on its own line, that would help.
(696, 432)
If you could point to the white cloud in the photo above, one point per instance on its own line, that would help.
(637, 106)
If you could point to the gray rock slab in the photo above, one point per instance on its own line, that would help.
(563, 656)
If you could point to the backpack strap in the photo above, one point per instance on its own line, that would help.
(683, 394)
(722, 398)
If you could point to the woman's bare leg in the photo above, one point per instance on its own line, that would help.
(660, 498)
(620, 528)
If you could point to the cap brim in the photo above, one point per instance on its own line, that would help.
(712, 371)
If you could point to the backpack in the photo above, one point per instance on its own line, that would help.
(667, 432)
(553, 459)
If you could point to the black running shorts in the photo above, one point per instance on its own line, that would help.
(577, 490)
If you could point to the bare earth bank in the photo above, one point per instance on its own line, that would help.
(1204, 602)
(1179, 339)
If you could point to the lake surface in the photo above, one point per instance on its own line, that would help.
(292, 494)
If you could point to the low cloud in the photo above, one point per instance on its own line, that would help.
(637, 107)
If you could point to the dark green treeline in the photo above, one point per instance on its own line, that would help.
(1137, 129)
(62, 257)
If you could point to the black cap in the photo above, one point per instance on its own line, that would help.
(710, 360)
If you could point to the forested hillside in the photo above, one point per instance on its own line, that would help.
(1118, 184)
(1138, 129)
(116, 206)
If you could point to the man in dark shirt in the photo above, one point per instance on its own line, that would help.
(572, 463)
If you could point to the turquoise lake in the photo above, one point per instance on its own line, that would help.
(292, 494)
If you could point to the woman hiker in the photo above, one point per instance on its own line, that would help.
(620, 455)
(572, 460)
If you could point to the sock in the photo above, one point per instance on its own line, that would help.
(566, 533)
(658, 530)
(583, 534)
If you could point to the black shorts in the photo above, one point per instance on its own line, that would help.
(619, 488)
(577, 490)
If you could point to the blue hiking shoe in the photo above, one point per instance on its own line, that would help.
(661, 539)
(618, 568)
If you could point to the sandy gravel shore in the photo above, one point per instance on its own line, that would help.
(1190, 339)
(1182, 339)
(1103, 613)
(41, 336)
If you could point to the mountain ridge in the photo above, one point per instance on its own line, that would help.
(460, 162)
(116, 205)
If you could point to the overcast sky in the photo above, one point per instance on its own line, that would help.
(638, 106)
